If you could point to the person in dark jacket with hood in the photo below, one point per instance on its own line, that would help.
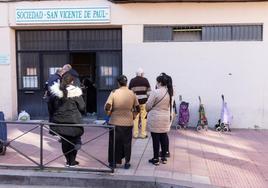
(67, 68)
(68, 106)
(50, 98)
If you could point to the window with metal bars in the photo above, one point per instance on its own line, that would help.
(64, 40)
(187, 33)
(199, 33)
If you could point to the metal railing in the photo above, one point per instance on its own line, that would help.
(43, 125)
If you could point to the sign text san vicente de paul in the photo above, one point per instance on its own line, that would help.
(63, 15)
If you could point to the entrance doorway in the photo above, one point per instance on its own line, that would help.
(96, 54)
(85, 65)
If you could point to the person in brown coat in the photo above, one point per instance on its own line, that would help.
(159, 108)
(121, 105)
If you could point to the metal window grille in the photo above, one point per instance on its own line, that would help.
(247, 33)
(216, 33)
(95, 39)
(157, 33)
(203, 33)
(187, 33)
(42, 40)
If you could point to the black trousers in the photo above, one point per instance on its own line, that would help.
(123, 138)
(51, 110)
(160, 139)
(50, 107)
(68, 149)
(167, 143)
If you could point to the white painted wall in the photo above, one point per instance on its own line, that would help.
(8, 92)
(8, 85)
(197, 68)
(206, 69)
(203, 69)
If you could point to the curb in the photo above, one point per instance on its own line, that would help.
(79, 179)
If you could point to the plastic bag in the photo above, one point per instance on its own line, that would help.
(23, 116)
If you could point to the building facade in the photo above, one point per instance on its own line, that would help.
(208, 48)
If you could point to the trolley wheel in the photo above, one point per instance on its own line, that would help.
(198, 128)
(178, 127)
(218, 129)
(225, 129)
(222, 125)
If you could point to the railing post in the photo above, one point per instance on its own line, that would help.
(42, 163)
(41, 146)
(114, 164)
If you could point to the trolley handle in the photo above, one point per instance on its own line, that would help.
(180, 98)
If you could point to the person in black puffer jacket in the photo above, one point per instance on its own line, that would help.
(68, 105)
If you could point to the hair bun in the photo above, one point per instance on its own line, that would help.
(122, 79)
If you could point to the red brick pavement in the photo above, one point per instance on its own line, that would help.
(235, 159)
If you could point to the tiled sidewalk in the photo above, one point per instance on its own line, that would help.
(235, 159)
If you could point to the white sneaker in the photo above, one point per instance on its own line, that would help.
(73, 166)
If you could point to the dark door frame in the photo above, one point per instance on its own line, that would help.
(68, 52)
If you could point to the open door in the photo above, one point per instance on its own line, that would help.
(85, 65)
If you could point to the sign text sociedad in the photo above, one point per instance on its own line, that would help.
(64, 15)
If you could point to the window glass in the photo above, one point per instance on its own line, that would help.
(29, 77)
(109, 66)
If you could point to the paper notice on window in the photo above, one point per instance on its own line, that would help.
(53, 70)
(109, 81)
(106, 71)
(31, 71)
(30, 82)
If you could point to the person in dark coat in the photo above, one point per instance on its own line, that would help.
(68, 105)
(90, 95)
(50, 97)
(68, 68)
